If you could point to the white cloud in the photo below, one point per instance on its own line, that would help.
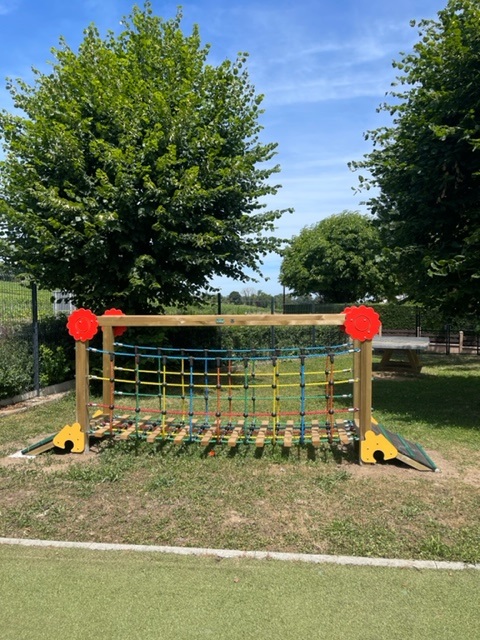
(296, 58)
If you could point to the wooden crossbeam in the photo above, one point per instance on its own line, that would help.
(285, 320)
(184, 431)
(288, 434)
(236, 433)
(126, 433)
(207, 436)
(143, 424)
(315, 437)
(288, 437)
(116, 424)
(99, 433)
(260, 439)
(180, 435)
(342, 433)
(158, 431)
(119, 423)
(315, 434)
(262, 434)
(153, 435)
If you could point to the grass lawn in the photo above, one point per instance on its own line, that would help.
(77, 594)
(322, 503)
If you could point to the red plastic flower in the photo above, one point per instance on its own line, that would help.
(361, 323)
(82, 324)
(117, 331)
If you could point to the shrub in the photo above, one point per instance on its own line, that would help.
(54, 367)
(16, 370)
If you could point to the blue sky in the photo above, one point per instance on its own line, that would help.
(324, 66)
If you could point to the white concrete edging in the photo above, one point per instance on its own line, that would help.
(256, 555)
(61, 387)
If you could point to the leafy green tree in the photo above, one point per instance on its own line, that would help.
(263, 299)
(425, 167)
(338, 259)
(234, 297)
(134, 171)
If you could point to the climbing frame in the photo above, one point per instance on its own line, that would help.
(359, 323)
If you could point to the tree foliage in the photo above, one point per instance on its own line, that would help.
(337, 259)
(426, 166)
(134, 171)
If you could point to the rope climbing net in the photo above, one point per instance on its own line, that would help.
(197, 396)
(290, 395)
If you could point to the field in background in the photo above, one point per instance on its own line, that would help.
(16, 302)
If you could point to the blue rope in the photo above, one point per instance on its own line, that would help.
(302, 399)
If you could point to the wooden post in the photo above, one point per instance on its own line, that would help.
(81, 387)
(365, 415)
(108, 340)
(356, 379)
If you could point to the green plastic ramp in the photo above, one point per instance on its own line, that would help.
(410, 453)
(39, 447)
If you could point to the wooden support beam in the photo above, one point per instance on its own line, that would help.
(262, 434)
(356, 378)
(288, 434)
(180, 435)
(81, 388)
(126, 433)
(153, 435)
(288, 437)
(207, 436)
(107, 385)
(266, 319)
(342, 432)
(365, 413)
(101, 431)
(235, 435)
(143, 425)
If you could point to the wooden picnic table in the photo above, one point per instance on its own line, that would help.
(392, 344)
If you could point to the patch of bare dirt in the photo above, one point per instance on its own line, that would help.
(51, 461)
(447, 470)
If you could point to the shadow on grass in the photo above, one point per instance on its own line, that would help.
(467, 363)
(242, 451)
(440, 401)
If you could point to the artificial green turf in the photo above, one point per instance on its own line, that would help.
(76, 594)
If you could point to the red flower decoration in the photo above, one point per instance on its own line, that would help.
(117, 331)
(82, 324)
(361, 323)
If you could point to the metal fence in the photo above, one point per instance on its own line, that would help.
(32, 326)
(30, 332)
(455, 336)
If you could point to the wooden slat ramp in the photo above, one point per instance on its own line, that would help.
(39, 447)
(408, 452)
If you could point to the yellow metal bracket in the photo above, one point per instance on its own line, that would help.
(72, 434)
(376, 442)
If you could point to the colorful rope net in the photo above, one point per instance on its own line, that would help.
(291, 395)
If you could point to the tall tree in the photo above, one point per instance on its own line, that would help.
(337, 259)
(134, 170)
(426, 165)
